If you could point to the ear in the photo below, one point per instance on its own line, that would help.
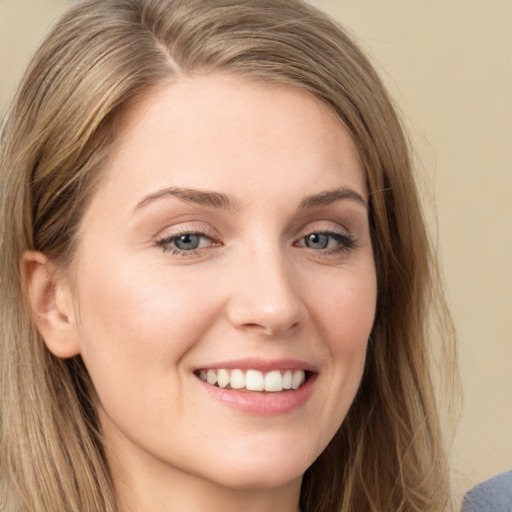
(51, 305)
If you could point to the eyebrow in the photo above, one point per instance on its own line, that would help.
(219, 200)
(201, 197)
(331, 196)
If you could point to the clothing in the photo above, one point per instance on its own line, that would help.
(494, 495)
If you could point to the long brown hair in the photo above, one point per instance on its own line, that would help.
(388, 454)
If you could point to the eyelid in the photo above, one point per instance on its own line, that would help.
(328, 232)
(163, 240)
(176, 236)
(185, 228)
(341, 234)
(325, 226)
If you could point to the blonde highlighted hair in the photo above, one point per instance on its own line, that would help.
(388, 454)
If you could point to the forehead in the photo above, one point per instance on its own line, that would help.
(225, 133)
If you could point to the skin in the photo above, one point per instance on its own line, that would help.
(145, 317)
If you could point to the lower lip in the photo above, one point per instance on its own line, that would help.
(262, 403)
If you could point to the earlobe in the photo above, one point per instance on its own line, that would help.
(51, 305)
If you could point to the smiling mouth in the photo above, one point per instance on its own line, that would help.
(254, 380)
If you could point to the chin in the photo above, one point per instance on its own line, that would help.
(260, 479)
(262, 472)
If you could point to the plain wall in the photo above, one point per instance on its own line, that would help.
(448, 64)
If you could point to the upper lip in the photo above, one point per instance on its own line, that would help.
(263, 365)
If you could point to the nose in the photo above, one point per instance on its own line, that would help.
(265, 296)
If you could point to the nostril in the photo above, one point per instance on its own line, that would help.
(253, 326)
(270, 328)
(267, 304)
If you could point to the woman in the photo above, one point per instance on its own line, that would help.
(215, 273)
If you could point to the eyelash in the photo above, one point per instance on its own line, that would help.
(165, 243)
(345, 242)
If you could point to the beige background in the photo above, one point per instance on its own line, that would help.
(448, 63)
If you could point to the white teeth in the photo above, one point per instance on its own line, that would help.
(254, 380)
(211, 377)
(237, 379)
(287, 379)
(274, 381)
(222, 378)
(297, 379)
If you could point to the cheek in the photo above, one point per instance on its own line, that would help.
(347, 310)
(346, 314)
(137, 322)
(120, 299)
(136, 328)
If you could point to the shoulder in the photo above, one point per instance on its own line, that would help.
(494, 495)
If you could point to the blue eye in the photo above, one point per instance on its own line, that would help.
(317, 241)
(185, 244)
(326, 241)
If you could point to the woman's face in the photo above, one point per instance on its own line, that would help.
(227, 248)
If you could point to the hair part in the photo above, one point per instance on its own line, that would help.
(388, 454)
